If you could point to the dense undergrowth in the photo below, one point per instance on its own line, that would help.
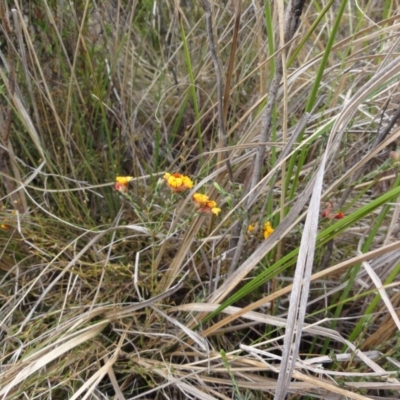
(284, 114)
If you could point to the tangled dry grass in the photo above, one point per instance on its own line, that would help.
(281, 113)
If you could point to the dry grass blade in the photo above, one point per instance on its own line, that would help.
(316, 276)
(184, 249)
(329, 387)
(378, 284)
(284, 227)
(129, 310)
(360, 164)
(118, 392)
(220, 84)
(79, 337)
(105, 369)
(379, 79)
(54, 282)
(201, 342)
(265, 319)
(23, 113)
(300, 290)
(94, 380)
(288, 31)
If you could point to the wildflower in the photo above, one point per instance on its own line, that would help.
(178, 182)
(327, 213)
(251, 228)
(199, 198)
(122, 183)
(268, 229)
(339, 215)
(5, 227)
(205, 205)
(214, 209)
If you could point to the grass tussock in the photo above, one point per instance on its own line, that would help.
(283, 281)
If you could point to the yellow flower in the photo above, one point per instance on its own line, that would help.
(251, 228)
(200, 198)
(205, 205)
(268, 229)
(216, 210)
(178, 182)
(122, 182)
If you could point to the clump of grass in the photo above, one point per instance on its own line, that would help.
(271, 267)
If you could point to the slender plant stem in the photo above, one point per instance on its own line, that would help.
(220, 83)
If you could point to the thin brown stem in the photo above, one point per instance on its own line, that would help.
(220, 84)
(292, 16)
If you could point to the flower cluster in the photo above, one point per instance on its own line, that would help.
(267, 229)
(251, 228)
(205, 205)
(178, 182)
(122, 182)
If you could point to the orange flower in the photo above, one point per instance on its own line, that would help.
(268, 229)
(178, 182)
(122, 183)
(205, 205)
